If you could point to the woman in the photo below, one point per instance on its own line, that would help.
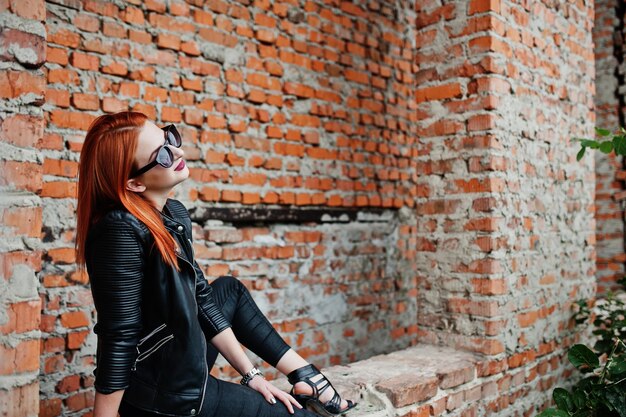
(160, 323)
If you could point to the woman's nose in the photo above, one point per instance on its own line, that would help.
(177, 152)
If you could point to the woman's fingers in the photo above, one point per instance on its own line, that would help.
(294, 401)
(261, 385)
(282, 396)
(271, 393)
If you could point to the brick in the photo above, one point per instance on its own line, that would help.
(62, 255)
(171, 114)
(183, 98)
(487, 286)
(133, 15)
(440, 92)
(80, 401)
(26, 48)
(57, 56)
(59, 98)
(75, 340)
(21, 175)
(114, 105)
(192, 84)
(423, 411)
(456, 376)
(482, 6)
(60, 167)
(23, 316)
(50, 407)
(64, 37)
(155, 94)
(139, 36)
(31, 259)
(63, 76)
(14, 84)
(22, 130)
(71, 120)
(21, 400)
(70, 383)
(406, 389)
(194, 117)
(455, 400)
(29, 9)
(168, 41)
(85, 101)
(114, 30)
(87, 22)
(190, 48)
(23, 358)
(129, 89)
(74, 319)
(116, 68)
(85, 61)
(24, 220)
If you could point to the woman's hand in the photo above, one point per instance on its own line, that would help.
(270, 392)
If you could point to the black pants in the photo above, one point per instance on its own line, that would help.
(255, 332)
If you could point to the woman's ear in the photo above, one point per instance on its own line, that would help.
(135, 186)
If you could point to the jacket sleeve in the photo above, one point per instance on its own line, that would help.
(115, 267)
(210, 315)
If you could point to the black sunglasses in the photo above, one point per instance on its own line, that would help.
(164, 157)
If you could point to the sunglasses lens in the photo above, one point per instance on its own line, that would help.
(165, 158)
(173, 137)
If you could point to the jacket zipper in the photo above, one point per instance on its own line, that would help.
(143, 339)
(206, 367)
(153, 349)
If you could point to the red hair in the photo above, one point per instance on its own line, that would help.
(106, 162)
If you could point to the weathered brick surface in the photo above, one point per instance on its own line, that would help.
(454, 118)
(22, 90)
(278, 105)
(406, 383)
(608, 36)
(513, 150)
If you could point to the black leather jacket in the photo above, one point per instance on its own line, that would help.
(153, 322)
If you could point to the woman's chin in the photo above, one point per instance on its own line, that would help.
(182, 175)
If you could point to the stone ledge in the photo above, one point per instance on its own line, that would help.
(420, 380)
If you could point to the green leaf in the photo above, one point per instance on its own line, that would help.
(602, 132)
(579, 397)
(617, 399)
(619, 144)
(581, 153)
(563, 399)
(606, 147)
(580, 355)
(553, 412)
(593, 144)
(617, 366)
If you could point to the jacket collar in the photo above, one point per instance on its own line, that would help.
(169, 220)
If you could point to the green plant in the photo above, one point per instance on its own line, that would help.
(602, 390)
(616, 144)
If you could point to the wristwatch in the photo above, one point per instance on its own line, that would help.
(248, 377)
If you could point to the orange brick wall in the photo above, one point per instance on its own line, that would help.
(453, 121)
(22, 94)
(609, 115)
(279, 106)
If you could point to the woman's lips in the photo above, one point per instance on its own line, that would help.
(180, 166)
